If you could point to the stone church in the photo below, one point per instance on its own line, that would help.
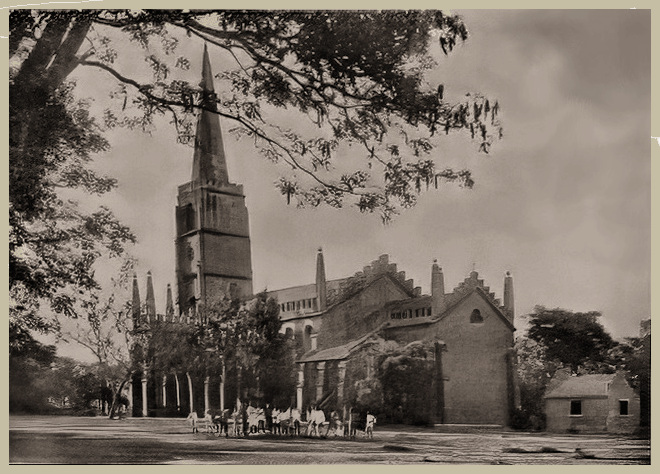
(333, 321)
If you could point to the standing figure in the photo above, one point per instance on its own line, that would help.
(295, 422)
(251, 418)
(369, 426)
(268, 412)
(261, 419)
(237, 418)
(192, 416)
(275, 421)
(284, 420)
(224, 422)
(335, 424)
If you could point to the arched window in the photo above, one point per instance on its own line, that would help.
(289, 333)
(307, 338)
(476, 317)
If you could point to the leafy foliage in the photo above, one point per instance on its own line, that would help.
(247, 339)
(406, 375)
(108, 332)
(53, 245)
(570, 338)
(355, 77)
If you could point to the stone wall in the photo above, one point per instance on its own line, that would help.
(616, 422)
(592, 419)
(474, 362)
(227, 255)
(359, 315)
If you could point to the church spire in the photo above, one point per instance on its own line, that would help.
(209, 163)
(135, 306)
(151, 299)
(321, 291)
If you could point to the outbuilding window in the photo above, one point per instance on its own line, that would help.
(576, 407)
(623, 407)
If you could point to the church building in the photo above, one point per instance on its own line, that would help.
(334, 322)
(473, 331)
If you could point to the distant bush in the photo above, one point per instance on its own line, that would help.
(524, 420)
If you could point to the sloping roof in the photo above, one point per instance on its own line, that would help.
(338, 352)
(299, 292)
(454, 303)
(592, 385)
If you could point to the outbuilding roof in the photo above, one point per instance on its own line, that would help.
(592, 385)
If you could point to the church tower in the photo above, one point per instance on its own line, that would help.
(212, 229)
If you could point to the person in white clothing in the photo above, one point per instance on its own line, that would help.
(369, 428)
(192, 416)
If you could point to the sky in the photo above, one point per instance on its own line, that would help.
(563, 201)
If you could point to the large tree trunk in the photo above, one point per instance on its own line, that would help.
(116, 395)
(51, 60)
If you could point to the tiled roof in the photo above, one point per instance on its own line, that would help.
(592, 385)
(300, 292)
(338, 352)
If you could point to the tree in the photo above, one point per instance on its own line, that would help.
(107, 331)
(406, 375)
(29, 363)
(53, 245)
(173, 349)
(573, 339)
(534, 372)
(358, 77)
(246, 338)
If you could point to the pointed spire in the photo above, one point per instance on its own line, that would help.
(508, 296)
(169, 309)
(151, 299)
(209, 163)
(207, 75)
(437, 289)
(321, 289)
(135, 304)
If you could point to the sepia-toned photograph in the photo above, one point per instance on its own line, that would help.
(329, 236)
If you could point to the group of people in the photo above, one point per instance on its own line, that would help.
(253, 420)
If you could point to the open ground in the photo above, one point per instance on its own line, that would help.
(77, 440)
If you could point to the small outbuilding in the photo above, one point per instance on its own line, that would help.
(591, 403)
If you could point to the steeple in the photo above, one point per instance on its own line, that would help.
(321, 289)
(209, 162)
(135, 305)
(151, 299)
(212, 224)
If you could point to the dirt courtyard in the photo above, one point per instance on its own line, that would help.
(77, 440)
